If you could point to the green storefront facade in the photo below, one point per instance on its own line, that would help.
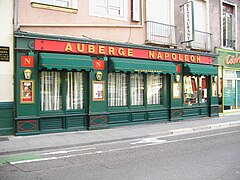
(229, 78)
(67, 84)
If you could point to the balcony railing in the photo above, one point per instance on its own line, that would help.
(160, 33)
(229, 43)
(202, 41)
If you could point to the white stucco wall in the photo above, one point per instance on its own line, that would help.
(6, 40)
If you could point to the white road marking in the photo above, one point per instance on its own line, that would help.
(149, 140)
(124, 148)
(66, 151)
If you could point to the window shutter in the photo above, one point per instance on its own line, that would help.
(136, 10)
(101, 6)
(115, 7)
(200, 15)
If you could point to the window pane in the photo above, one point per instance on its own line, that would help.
(154, 89)
(228, 26)
(51, 95)
(137, 89)
(203, 94)
(229, 94)
(190, 90)
(117, 89)
(74, 90)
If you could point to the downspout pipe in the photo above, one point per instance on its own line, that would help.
(15, 20)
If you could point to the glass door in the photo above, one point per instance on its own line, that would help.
(230, 94)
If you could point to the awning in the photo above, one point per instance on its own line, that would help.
(200, 69)
(141, 66)
(65, 61)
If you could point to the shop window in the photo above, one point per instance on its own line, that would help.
(154, 89)
(51, 90)
(195, 90)
(117, 89)
(137, 89)
(51, 95)
(203, 89)
(114, 9)
(190, 90)
(228, 26)
(74, 96)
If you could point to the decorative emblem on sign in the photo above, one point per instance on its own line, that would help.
(99, 76)
(27, 74)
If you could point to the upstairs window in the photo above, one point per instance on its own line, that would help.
(228, 26)
(113, 9)
(60, 3)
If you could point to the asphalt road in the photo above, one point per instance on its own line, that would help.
(208, 155)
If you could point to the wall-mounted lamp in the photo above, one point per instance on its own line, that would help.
(27, 74)
(177, 78)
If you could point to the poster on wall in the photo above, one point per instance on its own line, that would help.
(176, 90)
(98, 90)
(27, 91)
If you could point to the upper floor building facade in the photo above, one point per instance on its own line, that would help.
(150, 22)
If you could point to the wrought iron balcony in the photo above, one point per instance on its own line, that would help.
(159, 33)
(202, 41)
(229, 43)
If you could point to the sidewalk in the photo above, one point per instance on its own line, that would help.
(20, 144)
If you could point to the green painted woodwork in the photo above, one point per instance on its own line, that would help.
(75, 122)
(191, 112)
(119, 118)
(96, 114)
(25, 109)
(200, 69)
(65, 61)
(6, 118)
(139, 116)
(51, 123)
(158, 116)
(145, 66)
(204, 111)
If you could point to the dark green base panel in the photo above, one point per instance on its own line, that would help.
(214, 111)
(98, 122)
(176, 115)
(50, 125)
(27, 127)
(132, 118)
(188, 113)
(6, 118)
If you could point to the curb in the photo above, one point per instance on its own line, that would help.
(204, 128)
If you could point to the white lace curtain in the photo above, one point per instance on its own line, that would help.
(74, 90)
(51, 97)
(117, 89)
(137, 89)
(154, 88)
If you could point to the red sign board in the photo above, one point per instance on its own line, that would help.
(27, 61)
(97, 49)
(98, 64)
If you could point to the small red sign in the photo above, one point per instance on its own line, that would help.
(27, 61)
(98, 64)
(178, 69)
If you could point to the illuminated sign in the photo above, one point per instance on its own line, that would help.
(116, 51)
